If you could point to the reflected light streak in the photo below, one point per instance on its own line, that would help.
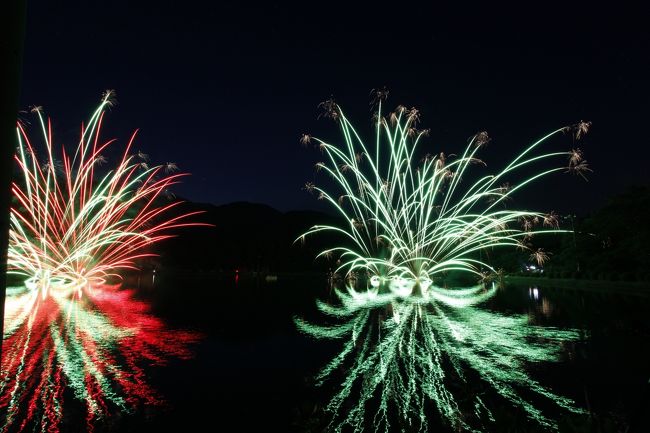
(405, 354)
(81, 353)
(414, 353)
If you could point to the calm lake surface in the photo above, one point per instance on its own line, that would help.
(248, 368)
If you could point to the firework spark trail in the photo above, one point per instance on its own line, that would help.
(409, 344)
(97, 346)
(73, 226)
(66, 331)
(421, 212)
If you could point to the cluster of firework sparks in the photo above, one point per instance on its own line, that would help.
(409, 341)
(72, 226)
(75, 224)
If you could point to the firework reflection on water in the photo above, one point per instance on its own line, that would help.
(85, 352)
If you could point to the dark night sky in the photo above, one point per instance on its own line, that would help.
(225, 90)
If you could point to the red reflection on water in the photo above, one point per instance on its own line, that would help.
(95, 349)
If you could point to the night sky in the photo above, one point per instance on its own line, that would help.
(226, 89)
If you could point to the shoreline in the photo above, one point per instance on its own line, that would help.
(622, 287)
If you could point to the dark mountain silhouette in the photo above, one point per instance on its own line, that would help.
(247, 237)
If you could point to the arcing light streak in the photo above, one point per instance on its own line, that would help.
(417, 221)
(409, 342)
(87, 355)
(71, 225)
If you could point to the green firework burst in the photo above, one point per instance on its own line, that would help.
(410, 343)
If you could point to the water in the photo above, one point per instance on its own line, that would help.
(248, 369)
